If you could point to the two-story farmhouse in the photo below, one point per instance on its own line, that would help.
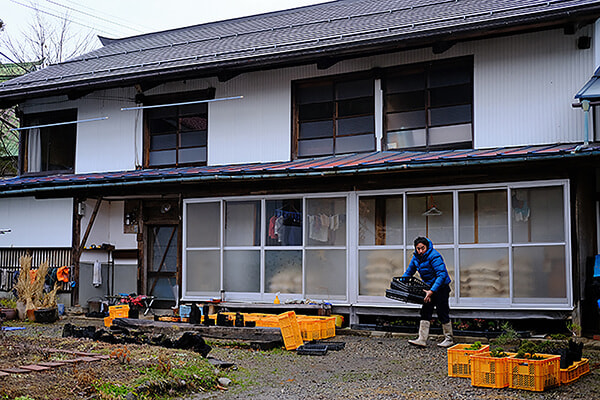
(300, 152)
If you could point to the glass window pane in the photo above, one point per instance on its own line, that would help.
(202, 271)
(283, 271)
(376, 270)
(325, 273)
(203, 228)
(450, 134)
(405, 120)
(314, 111)
(316, 147)
(349, 108)
(163, 142)
(193, 139)
(326, 222)
(450, 115)
(283, 222)
(193, 109)
(164, 125)
(444, 75)
(164, 248)
(351, 126)
(406, 139)
(484, 273)
(309, 130)
(315, 93)
(242, 223)
(162, 157)
(405, 101)
(405, 83)
(351, 144)
(380, 220)
(354, 89)
(430, 216)
(540, 272)
(192, 155)
(193, 123)
(483, 217)
(448, 256)
(538, 215)
(241, 271)
(449, 95)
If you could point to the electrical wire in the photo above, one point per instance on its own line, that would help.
(96, 11)
(62, 17)
(94, 16)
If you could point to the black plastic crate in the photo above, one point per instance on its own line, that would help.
(404, 296)
(332, 346)
(409, 284)
(312, 350)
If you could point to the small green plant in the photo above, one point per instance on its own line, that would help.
(574, 328)
(474, 346)
(508, 335)
(498, 352)
(8, 302)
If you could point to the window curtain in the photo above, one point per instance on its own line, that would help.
(34, 151)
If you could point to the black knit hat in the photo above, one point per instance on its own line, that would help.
(423, 240)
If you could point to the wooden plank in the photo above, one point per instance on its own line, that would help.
(218, 332)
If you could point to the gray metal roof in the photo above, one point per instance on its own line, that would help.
(342, 28)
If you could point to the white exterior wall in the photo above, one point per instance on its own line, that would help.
(523, 90)
(108, 226)
(114, 144)
(36, 223)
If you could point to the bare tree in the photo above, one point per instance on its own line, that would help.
(49, 40)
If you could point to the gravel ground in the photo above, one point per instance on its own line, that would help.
(373, 365)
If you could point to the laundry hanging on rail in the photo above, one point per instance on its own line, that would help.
(97, 275)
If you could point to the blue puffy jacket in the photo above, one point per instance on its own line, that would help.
(431, 267)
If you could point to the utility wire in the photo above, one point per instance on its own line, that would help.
(94, 16)
(139, 26)
(63, 17)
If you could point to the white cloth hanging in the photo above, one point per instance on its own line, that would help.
(97, 276)
(34, 150)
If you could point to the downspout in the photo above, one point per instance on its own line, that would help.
(585, 106)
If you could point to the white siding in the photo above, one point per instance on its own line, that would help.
(36, 223)
(114, 144)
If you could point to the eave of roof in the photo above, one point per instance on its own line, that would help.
(341, 29)
(360, 163)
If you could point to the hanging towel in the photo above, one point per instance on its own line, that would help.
(97, 278)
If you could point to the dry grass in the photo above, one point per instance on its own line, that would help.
(31, 291)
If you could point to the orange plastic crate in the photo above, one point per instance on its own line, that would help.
(575, 371)
(535, 375)
(120, 311)
(310, 329)
(459, 359)
(292, 339)
(488, 371)
(108, 321)
(327, 327)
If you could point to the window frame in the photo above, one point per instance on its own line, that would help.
(42, 118)
(333, 80)
(426, 68)
(171, 98)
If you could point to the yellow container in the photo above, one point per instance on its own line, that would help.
(575, 371)
(310, 329)
(108, 321)
(120, 311)
(535, 375)
(292, 339)
(459, 359)
(488, 371)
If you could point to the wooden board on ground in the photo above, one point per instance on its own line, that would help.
(219, 332)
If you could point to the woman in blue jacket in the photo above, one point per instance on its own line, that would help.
(430, 265)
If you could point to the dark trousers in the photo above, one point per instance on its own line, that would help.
(439, 300)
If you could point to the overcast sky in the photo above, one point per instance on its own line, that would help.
(122, 18)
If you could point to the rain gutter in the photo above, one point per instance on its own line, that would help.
(241, 176)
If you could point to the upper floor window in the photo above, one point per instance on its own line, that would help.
(334, 116)
(49, 148)
(429, 106)
(176, 135)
